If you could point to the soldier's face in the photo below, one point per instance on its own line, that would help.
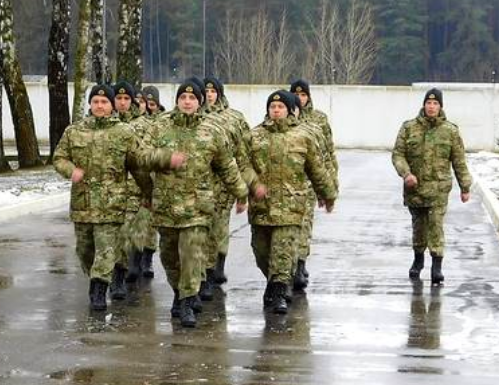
(142, 105)
(278, 110)
(188, 103)
(122, 102)
(303, 98)
(211, 96)
(101, 106)
(432, 108)
(153, 106)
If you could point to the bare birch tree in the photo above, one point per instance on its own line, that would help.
(100, 62)
(82, 61)
(20, 107)
(340, 48)
(58, 71)
(129, 56)
(255, 50)
(358, 47)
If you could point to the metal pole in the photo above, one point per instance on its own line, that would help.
(204, 38)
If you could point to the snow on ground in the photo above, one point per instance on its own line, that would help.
(23, 186)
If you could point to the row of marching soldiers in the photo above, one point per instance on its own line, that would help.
(190, 166)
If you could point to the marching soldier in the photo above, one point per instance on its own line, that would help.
(424, 152)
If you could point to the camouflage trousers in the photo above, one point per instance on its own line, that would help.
(97, 247)
(182, 252)
(307, 227)
(275, 250)
(151, 235)
(428, 229)
(218, 239)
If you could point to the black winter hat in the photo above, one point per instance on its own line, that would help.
(197, 81)
(300, 86)
(213, 82)
(102, 90)
(124, 88)
(434, 94)
(151, 93)
(191, 88)
(282, 96)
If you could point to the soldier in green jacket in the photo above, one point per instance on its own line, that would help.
(183, 200)
(285, 158)
(138, 260)
(97, 153)
(424, 152)
(154, 105)
(308, 114)
(234, 127)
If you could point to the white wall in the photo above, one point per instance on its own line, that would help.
(361, 116)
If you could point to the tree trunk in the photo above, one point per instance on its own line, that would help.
(82, 62)
(129, 55)
(58, 71)
(4, 165)
(99, 55)
(20, 107)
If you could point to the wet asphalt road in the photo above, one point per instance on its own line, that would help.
(361, 322)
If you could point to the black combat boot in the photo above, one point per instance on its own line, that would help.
(417, 265)
(97, 293)
(206, 292)
(305, 271)
(300, 281)
(268, 295)
(117, 288)
(436, 270)
(146, 262)
(197, 306)
(134, 259)
(279, 305)
(220, 277)
(187, 316)
(175, 310)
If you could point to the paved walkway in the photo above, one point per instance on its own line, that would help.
(361, 322)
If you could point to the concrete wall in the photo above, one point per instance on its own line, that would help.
(361, 116)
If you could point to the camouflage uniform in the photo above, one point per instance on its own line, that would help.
(427, 147)
(106, 150)
(234, 127)
(317, 122)
(183, 200)
(285, 157)
(139, 124)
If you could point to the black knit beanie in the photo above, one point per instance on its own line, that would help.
(434, 94)
(102, 90)
(191, 88)
(216, 84)
(152, 93)
(124, 88)
(284, 97)
(300, 86)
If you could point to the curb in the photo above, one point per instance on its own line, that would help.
(34, 207)
(490, 200)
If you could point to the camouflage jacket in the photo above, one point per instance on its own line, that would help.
(310, 115)
(185, 197)
(427, 148)
(233, 127)
(105, 149)
(139, 124)
(285, 157)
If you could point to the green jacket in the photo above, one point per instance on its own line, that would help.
(285, 157)
(233, 127)
(106, 150)
(427, 148)
(185, 197)
(311, 115)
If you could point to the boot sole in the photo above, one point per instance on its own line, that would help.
(148, 274)
(118, 297)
